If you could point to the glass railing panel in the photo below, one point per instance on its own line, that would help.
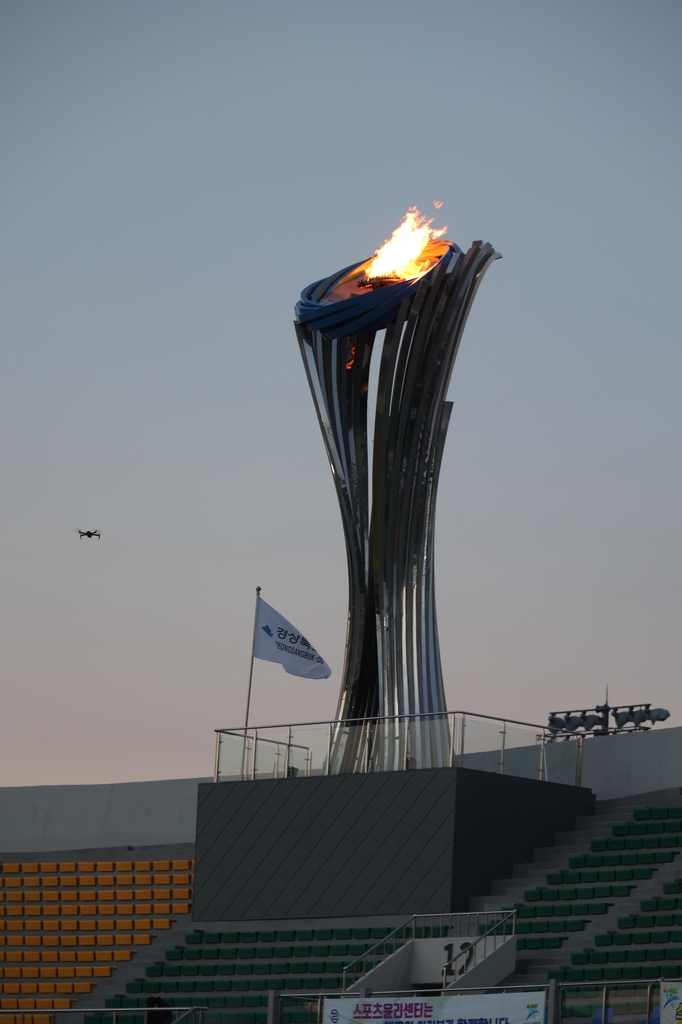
(480, 744)
(522, 752)
(353, 748)
(428, 742)
(308, 751)
(386, 745)
(271, 747)
(235, 756)
(561, 760)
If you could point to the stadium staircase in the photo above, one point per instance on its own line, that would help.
(602, 903)
(67, 927)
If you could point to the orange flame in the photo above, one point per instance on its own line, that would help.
(400, 258)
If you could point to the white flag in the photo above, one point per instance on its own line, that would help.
(277, 640)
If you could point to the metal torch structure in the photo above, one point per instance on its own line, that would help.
(392, 663)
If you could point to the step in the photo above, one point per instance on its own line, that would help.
(132, 969)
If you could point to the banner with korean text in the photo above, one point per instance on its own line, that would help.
(671, 1008)
(496, 1008)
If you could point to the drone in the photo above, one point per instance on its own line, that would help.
(89, 533)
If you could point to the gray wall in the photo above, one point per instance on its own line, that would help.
(368, 845)
(53, 818)
(615, 766)
(627, 764)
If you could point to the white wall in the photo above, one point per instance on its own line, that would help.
(37, 818)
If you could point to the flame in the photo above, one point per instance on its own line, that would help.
(400, 258)
(438, 203)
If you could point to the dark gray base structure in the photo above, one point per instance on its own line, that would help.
(422, 841)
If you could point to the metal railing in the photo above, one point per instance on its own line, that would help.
(73, 1015)
(633, 1002)
(429, 926)
(471, 953)
(630, 1002)
(398, 743)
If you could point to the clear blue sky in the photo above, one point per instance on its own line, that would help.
(172, 175)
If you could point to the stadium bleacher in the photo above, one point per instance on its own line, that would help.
(643, 934)
(66, 925)
(602, 905)
(228, 973)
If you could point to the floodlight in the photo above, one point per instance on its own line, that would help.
(595, 721)
(591, 721)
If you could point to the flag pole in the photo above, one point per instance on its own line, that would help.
(253, 648)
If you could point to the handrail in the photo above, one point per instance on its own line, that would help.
(113, 1010)
(410, 924)
(385, 938)
(385, 718)
(472, 945)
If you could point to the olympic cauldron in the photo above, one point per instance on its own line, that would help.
(392, 662)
